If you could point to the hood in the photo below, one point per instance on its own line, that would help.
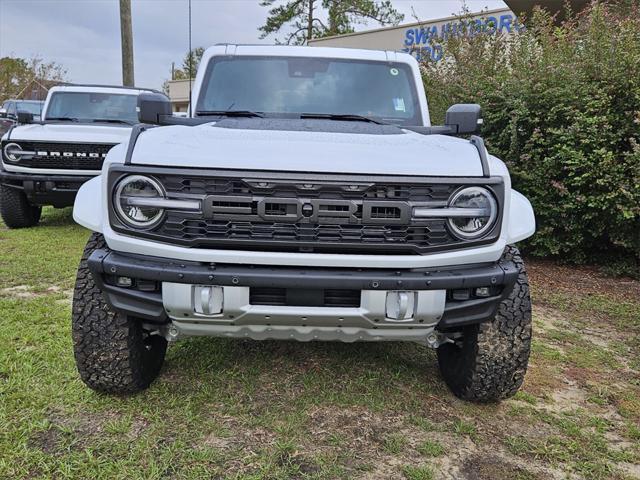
(308, 147)
(71, 132)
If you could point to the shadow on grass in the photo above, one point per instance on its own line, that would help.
(283, 373)
(57, 217)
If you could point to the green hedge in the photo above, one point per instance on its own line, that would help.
(561, 107)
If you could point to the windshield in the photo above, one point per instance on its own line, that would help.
(31, 107)
(92, 107)
(292, 85)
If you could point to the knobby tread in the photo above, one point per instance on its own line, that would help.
(111, 352)
(491, 362)
(15, 209)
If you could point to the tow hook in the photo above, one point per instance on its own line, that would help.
(435, 339)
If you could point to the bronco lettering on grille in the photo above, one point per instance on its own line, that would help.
(311, 210)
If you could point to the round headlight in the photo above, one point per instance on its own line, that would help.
(132, 201)
(477, 214)
(9, 152)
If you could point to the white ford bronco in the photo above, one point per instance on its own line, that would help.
(307, 198)
(45, 162)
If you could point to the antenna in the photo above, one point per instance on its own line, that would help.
(190, 60)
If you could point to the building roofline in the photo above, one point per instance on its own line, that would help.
(410, 25)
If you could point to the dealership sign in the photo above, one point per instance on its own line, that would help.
(424, 40)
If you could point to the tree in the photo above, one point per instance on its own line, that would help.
(16, 73)
(322, 18)
(190, 64)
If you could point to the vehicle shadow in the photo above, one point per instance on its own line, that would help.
(360, 373)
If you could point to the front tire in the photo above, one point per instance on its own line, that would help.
(113, 353)
(489, 362)
(15, 209)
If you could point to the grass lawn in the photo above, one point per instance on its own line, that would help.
(251, 410)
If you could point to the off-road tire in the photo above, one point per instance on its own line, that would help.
(489, 362)
(113, 353)
(15, 209)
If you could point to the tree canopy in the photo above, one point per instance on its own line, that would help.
(307, 19)
(16, 74)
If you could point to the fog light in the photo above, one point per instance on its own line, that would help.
(400, 305)
(125, 282)
(483, 292)
(460, 295)
(207, 300)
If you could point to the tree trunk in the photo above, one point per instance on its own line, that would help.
(310, 21)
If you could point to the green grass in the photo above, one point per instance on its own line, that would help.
(417, 473)
(430, 448)
(277, 410)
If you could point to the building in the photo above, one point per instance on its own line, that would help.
(424, 39)
(179, 94)
(36, 89)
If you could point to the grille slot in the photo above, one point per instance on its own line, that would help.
(297, 297)
(64, 155)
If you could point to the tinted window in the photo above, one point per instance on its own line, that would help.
(89, 107)
(290, 85)
(31, 107)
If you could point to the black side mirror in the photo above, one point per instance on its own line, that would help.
(464, 118)
(153, 106)
(25, 117)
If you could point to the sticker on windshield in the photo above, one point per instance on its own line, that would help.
(398, 104)
(394, 71)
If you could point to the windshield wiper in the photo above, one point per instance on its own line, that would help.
(111, 120)
(230, 113)
(64, 119)
(343, 116)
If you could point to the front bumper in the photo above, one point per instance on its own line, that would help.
(164, 291)
(57, 190)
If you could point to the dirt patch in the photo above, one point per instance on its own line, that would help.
(231, 433)
(489, 467)
(358, 426)
(29, 292)
(49, 441)
(548, 276)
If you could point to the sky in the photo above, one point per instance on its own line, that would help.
(84, 35)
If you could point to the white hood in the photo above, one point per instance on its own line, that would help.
(206, 146)
(71, 132)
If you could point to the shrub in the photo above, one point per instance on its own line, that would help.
(561, 107)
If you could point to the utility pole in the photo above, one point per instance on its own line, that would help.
(126, 33)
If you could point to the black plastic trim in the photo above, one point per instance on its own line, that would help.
(159, 269)
(133, 138)
(148, 305)
(478, 142)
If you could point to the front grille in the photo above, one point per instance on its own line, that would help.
(353, 214)
(389, 239)
(294, 189)
(67, 156)
(297, 297)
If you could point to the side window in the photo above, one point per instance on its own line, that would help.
(12, 108)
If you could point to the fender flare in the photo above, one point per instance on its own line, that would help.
(521, 220)
(87, 208)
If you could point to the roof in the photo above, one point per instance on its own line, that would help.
(79, 87)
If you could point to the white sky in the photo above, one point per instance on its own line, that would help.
(84, 35)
